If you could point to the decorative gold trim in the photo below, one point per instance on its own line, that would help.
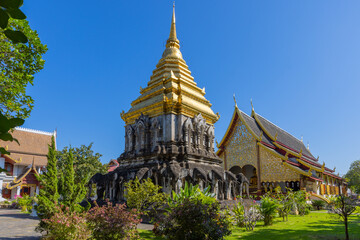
(319, 196)
(16, 185)
(16, 161)
(322, 169)
(18, 180)
(247, 125)
(276, 154)
(254, 115)
(287, 150)
(228, 129)
(308, 174)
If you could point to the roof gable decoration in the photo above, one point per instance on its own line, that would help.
(237, 114)
(8, 156)
(18, 180)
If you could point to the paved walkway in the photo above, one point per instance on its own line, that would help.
(17, 225)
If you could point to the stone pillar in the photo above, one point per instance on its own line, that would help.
(1, 183)
(258, 170)
(2, 176)
(15, 191)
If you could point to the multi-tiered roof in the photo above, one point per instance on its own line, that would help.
(282, 144)
(171, 88)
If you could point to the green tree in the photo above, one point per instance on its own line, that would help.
(10, 9)
(6, 124)
(353, 175)
(86, 162)
(19, 62)
(144, 196)
(48, 195)
(72, 192)
(344, 207)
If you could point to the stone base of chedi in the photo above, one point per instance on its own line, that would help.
(169, 135)
(150, 153)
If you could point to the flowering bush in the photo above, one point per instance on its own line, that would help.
(64, 225)
(192, 219)
(24, 202)
(113, 222)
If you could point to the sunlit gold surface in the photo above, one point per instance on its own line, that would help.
(171, 88)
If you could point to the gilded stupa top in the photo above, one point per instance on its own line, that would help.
(171, 88)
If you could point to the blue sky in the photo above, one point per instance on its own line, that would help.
(298, 60)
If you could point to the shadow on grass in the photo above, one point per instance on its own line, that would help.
(147, 234)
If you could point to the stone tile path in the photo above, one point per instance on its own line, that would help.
(16, 225)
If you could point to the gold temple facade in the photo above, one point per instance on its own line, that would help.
(271, 157)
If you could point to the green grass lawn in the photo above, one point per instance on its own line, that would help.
(316, 225)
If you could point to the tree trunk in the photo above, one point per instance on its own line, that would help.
(346, 228)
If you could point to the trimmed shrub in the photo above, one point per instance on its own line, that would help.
(113, 222)
(191, 219)
(25, 203)
(144, 196)
(66, 225)
(318, 204)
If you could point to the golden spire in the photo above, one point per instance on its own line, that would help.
(172, 35)
(172, 44)
(180, 93)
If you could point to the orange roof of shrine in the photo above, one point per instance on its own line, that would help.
(33, 144)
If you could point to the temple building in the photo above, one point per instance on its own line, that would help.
(269, 157)
(25, 160)
(169, 137)
(169, 134)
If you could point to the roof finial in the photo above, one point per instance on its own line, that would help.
(172, 35)
(308, 146)
(252, 106)
(302, 139)
(235, 100)
(172, 44)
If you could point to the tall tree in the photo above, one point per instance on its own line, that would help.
(353, 175)
(68, 175)
(72, 192)
(86, 162)
(18, 63)
(48, 195)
